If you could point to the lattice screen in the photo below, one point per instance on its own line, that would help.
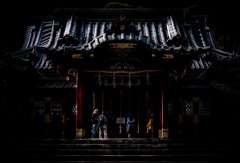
(187, 105)
(39, 107)
(56, 107)
(170, 108)
(203, 107)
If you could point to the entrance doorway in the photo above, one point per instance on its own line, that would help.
(142, 100)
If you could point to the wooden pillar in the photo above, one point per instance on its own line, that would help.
(80, 132)
(163, 132)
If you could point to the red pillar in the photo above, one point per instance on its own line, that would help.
(80, 132)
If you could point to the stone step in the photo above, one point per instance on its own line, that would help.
(120, 149)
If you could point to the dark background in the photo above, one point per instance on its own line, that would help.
(15, 16)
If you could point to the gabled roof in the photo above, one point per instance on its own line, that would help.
(163, 31)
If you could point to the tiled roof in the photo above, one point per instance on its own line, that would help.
(156, 34)
(166, 34)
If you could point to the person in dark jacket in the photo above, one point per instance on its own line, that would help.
(129, 125)
(95, 125)
(102, 122)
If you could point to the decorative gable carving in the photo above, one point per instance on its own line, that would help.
(123, 26)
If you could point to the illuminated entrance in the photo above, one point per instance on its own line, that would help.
(121, 93)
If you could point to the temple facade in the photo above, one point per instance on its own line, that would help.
(151, 63)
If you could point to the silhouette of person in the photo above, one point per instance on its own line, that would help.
(129, 125)
(150, 126)
(95, 125)
(103, 125)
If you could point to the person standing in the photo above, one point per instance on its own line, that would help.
(129, 125)
(95, 125)
(103, 125)
(150, 126)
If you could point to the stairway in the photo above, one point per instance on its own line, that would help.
(115, 150)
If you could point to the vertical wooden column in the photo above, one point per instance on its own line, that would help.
(163, 132)
(80, 132)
